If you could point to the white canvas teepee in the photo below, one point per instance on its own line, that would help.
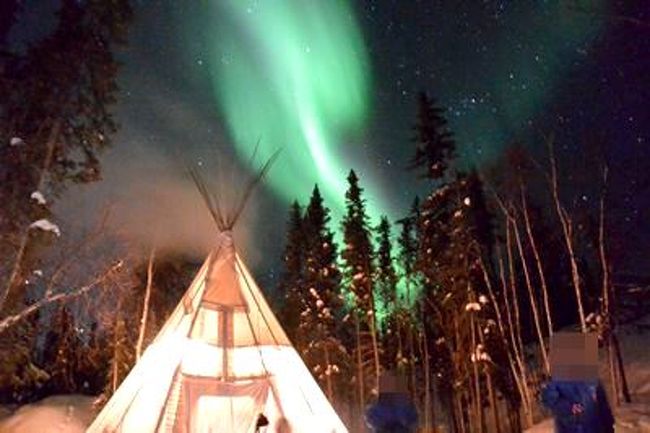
(220, 361)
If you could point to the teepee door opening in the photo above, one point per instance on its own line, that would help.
(221, 407)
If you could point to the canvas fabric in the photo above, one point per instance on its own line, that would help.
(220, 360)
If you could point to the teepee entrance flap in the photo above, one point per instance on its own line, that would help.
(220, 407)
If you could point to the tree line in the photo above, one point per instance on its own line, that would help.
(460, 295)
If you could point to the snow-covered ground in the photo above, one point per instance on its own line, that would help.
(56, 414)
(635, 348)
(73, 413)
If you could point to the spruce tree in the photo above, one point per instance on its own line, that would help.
(435, 146)
(386, 277)
(321, 299)
(357, 257)
(454, 234)
(56, 118)
(291, 286)
(407, 322)
(407, 255)
(387, 306)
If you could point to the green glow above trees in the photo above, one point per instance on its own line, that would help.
(293, 75)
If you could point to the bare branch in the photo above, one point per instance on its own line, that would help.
(9, 321)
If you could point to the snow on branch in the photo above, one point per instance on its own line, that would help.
(38, 197)
(16, 141)
(9, 321)
(46, 225)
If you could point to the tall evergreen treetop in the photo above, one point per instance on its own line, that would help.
(407, 255)
(293, 250)
(358, 251)
(320, 297)
(320, 248)
(408, 239)
(59, 94)
(435, 146)
(290, 286)
(386, 276)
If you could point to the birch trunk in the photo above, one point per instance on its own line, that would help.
(531, 294)
(145, 305)
(607, 313)
(518, 350)
(513, 291)
(567, 231)
(494, 412)
(427, 382)
(538, 262)
(512, 362)
(328, 375)
(478, 406)
(360, 378)
(375, 344)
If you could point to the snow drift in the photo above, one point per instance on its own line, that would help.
(56, 414)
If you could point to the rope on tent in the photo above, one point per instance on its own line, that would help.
(241, 271)
(304, 396)
(250, 323)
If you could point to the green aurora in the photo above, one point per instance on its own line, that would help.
(294, 76)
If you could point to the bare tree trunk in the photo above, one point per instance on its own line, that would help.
(494, 404)
(360, 379)
(478, 406)
(607, 311)
(427, 382)
(458, 408)
(625, 390)
(513, 290)
(512, 362)
(328, 375)
(413, 367)
(531, 294)
(494, 412)
(145, 305)
(515, 335)
(115, 380)
(611, 366)
(50, 144)
(567, 231)
(538, 262)
(375, 344)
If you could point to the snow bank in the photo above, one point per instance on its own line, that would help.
(56, 414)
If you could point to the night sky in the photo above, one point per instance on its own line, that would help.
(333, 84)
